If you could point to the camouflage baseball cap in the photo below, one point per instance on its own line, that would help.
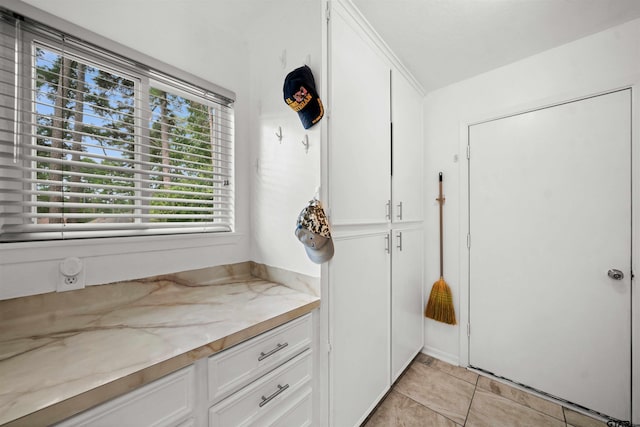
(312, 229)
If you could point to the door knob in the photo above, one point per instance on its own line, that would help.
(615, 274)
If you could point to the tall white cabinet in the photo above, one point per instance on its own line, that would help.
(359, 131)
(407, 214)
(373, 287)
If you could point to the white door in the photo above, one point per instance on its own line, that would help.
(407, 305)
(359, 327)
(550, 214)
(359, 126)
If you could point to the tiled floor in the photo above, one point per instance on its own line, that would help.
(435, 393)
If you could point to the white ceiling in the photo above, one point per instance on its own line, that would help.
(439, 41)
(446, 41)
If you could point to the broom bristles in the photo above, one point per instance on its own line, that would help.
(440, 304)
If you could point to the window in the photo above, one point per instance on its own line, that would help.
(96, 145)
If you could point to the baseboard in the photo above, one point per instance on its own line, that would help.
(453, 359)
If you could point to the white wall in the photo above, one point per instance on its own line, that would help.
(596, 63)
(283, 176)
(192, 37)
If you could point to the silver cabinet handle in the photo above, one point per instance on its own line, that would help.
(279, 347)
(266, 400)
(399, 237)
(387, 243)
(615, 274)
(399, 211)
(388, 214)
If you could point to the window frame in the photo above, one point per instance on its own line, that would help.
(145, 78)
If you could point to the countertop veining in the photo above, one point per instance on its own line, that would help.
(62, 353)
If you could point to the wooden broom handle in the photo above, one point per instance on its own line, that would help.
(440, 200)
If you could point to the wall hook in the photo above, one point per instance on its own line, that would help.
(279, 134)
(305, 142)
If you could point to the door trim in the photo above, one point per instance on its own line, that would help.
(464, 302)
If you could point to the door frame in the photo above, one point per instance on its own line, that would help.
(632, 83)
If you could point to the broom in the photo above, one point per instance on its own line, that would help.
(440, 304)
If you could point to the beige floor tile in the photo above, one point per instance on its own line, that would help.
(521, 397)
(437, 391)
(580, 420)
(490, 410)
(398, 410)
(456, 371)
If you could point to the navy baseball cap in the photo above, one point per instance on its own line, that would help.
(300, 94)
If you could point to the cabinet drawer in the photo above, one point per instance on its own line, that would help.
(267, 397)
(297, 413)
(236, 367)
(163, 402)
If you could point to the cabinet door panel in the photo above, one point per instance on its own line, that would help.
(359, 310)
(163, 402)
(406, 299)
(359, 132)
(408, 149)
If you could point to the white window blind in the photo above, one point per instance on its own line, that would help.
(94, 145)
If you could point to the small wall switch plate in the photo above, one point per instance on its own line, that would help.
(70, 275)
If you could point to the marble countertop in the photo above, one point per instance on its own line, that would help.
(61, 353)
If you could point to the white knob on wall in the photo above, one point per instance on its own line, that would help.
(71, 266)
(71, 275)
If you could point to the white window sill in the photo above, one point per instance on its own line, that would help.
(32, 268)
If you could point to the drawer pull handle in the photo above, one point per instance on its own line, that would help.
(266, 400)
(279, 347)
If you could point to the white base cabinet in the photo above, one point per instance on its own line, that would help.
(265, 381)
(260, 382)
(375, 318)
(359, 328)
(240, 365)
(406, 298)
